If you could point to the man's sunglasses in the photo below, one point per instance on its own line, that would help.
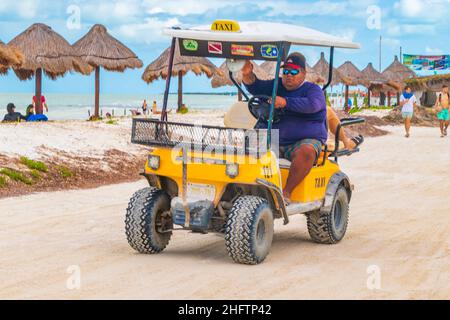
(294, 72)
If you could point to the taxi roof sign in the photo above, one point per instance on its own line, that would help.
(226, 26)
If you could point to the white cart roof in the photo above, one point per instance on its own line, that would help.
(257, 31)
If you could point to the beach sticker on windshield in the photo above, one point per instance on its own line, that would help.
(215, 47)
(190, 45)
(269, 51)
(242, 50)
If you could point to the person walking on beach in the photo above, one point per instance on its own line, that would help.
(408, 101)
(43, 104)
(442, 106)
(144, 107)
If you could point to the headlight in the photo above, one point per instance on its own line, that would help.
(154, 162)
(232, 170)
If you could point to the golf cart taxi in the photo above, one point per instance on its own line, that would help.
(230, 180)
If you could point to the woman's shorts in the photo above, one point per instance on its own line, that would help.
(444, 115)
(407, 115)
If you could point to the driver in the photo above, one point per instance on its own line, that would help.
(302, 126)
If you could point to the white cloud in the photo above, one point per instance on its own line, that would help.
(395, 29)
(423, 9)
(148, 32)
(26, 9)
(434, 51)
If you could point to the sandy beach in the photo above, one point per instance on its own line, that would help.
(398, 227)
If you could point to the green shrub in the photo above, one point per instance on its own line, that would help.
(34, 165)
(112, 121)
(35, 175)
(65, 172)
(16, 176)
(355, 100)
(3, 182)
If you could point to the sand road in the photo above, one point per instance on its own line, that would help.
(397, 246)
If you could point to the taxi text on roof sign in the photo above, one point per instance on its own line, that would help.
(226, 25)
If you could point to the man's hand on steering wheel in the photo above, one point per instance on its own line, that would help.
(280, 102)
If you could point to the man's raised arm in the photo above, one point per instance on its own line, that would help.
(253, 84)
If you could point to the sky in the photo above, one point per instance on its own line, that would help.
(418, 26)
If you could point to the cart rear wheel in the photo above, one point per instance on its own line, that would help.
(329, 227)
(147, 216)
(249, 230)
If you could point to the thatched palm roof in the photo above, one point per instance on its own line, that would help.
(322, 67)
(9, 57)
(397, 73)
(433, 83)
(311, 75)
(351, 72)
(45, 49)
(372, 77)
(219, 80)
(159, 68)
(99, 49)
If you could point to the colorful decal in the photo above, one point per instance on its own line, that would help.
(215, 47)
(269, 51)
(226, 25)
(242, 50)
(190, 45)
(427, 63)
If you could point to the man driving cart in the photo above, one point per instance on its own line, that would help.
(302, 125)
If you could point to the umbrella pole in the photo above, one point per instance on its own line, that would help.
(239, 96)
(389, 98)
(97, 92)
(38, 91)
(368, 97)
(180, 90)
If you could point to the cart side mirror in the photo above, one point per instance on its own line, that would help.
(235, 65)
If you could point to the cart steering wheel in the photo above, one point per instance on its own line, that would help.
(259, 107)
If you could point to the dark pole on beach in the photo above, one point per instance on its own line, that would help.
(180, 90)
(346, 98)
(38, 91)
(97, 91)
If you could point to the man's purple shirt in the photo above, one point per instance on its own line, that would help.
(305, 113)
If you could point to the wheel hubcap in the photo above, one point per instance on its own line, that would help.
(337, 215)
(261, 232)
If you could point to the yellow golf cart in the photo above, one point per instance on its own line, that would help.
(230, 179)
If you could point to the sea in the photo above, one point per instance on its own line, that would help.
(80, 106)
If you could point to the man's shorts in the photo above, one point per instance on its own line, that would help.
(407, 115)
(287, 152)
(444, 115)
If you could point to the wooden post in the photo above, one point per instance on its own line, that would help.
(368, 97)
(39, 106)
(398, 98)
(97, 92)
(346, 106)
(389, 98)
(180, 90)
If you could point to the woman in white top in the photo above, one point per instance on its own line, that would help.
(407, 102)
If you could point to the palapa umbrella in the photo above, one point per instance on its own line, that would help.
(322, 67)
(9, 57)
(352, 73)
(223, 78)
(270, 68)
(372, 79)
(99, 49)
(396, 75)
(181, 65)
(45, 50)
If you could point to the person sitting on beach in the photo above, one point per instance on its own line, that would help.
(302, 127)
(30, 111)
(12, 115)
(442, 107)
(32, 117)
(43, 104)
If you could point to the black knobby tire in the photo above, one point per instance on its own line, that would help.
(249, 230)
(143, 215)
(330, 226)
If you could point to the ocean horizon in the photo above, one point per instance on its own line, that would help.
(70, 106)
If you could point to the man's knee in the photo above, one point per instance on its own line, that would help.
(305, 154)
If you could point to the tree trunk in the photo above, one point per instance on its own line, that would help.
(239, 96)
(180, 90)
(39, 106)
(97, 92)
